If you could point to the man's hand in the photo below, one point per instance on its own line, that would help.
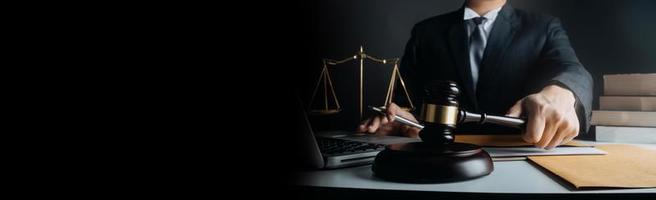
(385, 125)
(551, 116)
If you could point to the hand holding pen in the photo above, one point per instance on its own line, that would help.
(389, 122)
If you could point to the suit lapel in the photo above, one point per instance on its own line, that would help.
(499, 40)
(458, 46)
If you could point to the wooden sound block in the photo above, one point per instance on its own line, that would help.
(421, 162)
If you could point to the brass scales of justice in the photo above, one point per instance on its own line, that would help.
(328, 88)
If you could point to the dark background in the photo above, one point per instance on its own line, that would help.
(609, 36)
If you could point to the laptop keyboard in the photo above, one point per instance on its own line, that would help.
(332, 147)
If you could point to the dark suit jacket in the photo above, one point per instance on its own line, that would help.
(525, 52)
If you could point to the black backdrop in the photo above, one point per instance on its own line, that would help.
(609, 36)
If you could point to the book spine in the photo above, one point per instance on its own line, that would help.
(625, 134)
(630, 85)
(623, 118)
(627, 103)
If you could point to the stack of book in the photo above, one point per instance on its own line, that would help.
(627, 109)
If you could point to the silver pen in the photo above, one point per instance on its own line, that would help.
(382, 110)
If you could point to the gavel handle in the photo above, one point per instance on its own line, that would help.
(492, 119)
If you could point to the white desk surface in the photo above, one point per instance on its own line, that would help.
(508, 177)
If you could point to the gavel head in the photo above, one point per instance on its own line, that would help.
(439, 112)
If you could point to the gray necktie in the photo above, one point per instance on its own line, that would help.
(477, 42)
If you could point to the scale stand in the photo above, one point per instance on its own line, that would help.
(325, 78)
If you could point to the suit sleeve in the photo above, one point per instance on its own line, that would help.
(567, 71)
(408, 70)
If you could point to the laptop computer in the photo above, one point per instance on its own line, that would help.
(336, 149)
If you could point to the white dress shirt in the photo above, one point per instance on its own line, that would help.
(487, 24)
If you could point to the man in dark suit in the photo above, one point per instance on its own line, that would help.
(506, 61)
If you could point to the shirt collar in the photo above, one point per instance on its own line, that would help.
(491, 16)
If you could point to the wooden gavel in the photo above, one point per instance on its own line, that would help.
(441, 114)
(437, 158)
